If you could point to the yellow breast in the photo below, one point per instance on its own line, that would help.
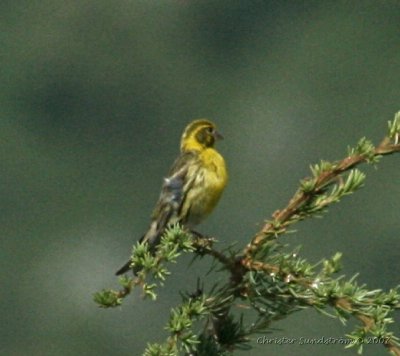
(206, 190)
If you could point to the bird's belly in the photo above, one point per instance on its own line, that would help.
(204, 195)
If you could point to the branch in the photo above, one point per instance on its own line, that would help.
(324, 176)
(267, 280)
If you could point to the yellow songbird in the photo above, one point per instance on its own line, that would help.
(193, 187)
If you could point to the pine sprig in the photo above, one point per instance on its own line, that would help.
(149, 267)
(324, 175)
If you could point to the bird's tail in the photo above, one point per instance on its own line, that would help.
(152, 237)
(126, 267)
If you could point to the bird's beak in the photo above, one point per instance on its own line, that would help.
(217, 135)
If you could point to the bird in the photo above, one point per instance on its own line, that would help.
(192, 188)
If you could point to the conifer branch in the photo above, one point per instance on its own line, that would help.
(325, 175)
(264, 278)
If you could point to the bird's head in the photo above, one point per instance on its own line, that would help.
(198, 135)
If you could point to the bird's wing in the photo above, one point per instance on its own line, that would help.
(172, 197)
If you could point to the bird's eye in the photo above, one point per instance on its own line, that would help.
(210, 129)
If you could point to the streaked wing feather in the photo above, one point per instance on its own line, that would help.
(172, 197)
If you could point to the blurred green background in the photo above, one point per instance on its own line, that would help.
(94, 96)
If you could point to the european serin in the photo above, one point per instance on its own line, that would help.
(193, 187)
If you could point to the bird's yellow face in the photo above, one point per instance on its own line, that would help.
(198, 135)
